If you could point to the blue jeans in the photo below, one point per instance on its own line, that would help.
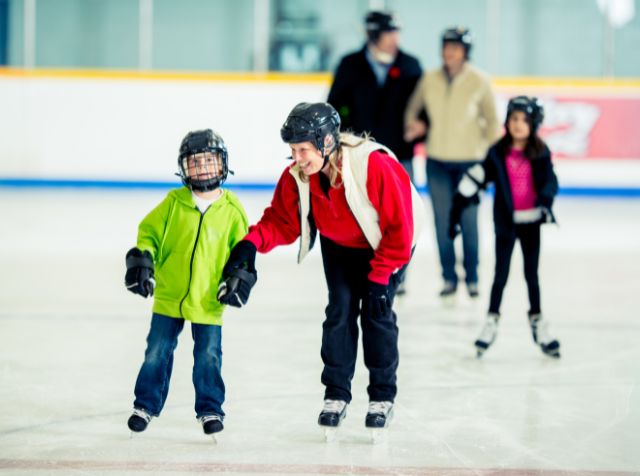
(152, 385)
(443, 179)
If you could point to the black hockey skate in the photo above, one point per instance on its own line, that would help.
(139, 420)
(473, 290)
(540, 332)
(379, 414)
(378, 418)
(211, 424)
(448, 293)
(331, 416)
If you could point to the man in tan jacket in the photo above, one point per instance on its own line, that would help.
(461, 125)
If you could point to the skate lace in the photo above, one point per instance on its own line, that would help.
(206, 418)
(381, 408)
(489, 330)
(142, 414)
(333, 406)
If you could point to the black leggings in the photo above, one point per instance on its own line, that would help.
(529, 237)
(346, 271)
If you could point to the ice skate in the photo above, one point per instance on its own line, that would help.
(472, 290)
(540, 332)
(378, 417)
(331, 416)
(448, 294)
(138, 421)
(488, 334)
(211, 424)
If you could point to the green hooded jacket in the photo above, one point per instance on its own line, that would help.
(189, 250)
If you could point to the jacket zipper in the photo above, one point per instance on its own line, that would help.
(193, 254)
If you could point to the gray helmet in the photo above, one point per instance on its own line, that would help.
(311, 122)
(460, 35)
(197, 142)
(531, 106)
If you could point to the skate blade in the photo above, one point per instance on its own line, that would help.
(448, 301)
(330, 434)
(213, 438)
(480, 351)
(379, 436)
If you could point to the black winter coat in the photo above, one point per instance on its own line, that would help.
(366, 107)
(544, 181)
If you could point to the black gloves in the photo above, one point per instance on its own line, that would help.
(379, 300)
(239, 275)
(139, 276)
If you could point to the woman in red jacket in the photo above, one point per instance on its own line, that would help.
(359, 198)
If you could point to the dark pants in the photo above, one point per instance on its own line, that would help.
(152, 385)
(443, 179)
(346, 271)
(529, 237)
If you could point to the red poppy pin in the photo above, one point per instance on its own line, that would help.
(394, 72)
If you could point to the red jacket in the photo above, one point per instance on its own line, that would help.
(388, 189)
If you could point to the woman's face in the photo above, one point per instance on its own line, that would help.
(453, 55)
(518, 126)
(308, 157)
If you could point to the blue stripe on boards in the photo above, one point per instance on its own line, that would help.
(591, 191)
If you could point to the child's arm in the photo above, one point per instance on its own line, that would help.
(152, 227)
(474, 179)
(139, 278)
(239, 274)
(549, 188)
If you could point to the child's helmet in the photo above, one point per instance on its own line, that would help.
(531, 106)
(198, 142)
(458, 34)
(311, 122)
(377, 22)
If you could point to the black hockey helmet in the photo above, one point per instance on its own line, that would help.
(311, 122)
(458, 34)
(376, 22)
(531, 106)
(198, 142)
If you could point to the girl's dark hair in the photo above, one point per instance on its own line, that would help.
(532, 150)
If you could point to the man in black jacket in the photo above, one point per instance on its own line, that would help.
(371, 86)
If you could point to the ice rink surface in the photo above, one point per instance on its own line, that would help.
(72, 341)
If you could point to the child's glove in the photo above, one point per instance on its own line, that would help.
(379, 300)
(239, 275)
(139, 276)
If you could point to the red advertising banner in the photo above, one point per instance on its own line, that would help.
(588, 126)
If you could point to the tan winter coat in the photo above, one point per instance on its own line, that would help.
(462, 115)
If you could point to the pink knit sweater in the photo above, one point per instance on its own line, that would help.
(520, 175)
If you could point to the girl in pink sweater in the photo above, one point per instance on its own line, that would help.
(519, 165)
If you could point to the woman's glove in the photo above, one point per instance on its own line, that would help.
(379, 300)
(139, 277)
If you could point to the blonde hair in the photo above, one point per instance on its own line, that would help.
(335, 161)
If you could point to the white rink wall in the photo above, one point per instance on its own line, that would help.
(127, 127)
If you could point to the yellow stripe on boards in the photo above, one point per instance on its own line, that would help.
(611, 84)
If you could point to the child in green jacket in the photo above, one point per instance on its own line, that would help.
(181, 250)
